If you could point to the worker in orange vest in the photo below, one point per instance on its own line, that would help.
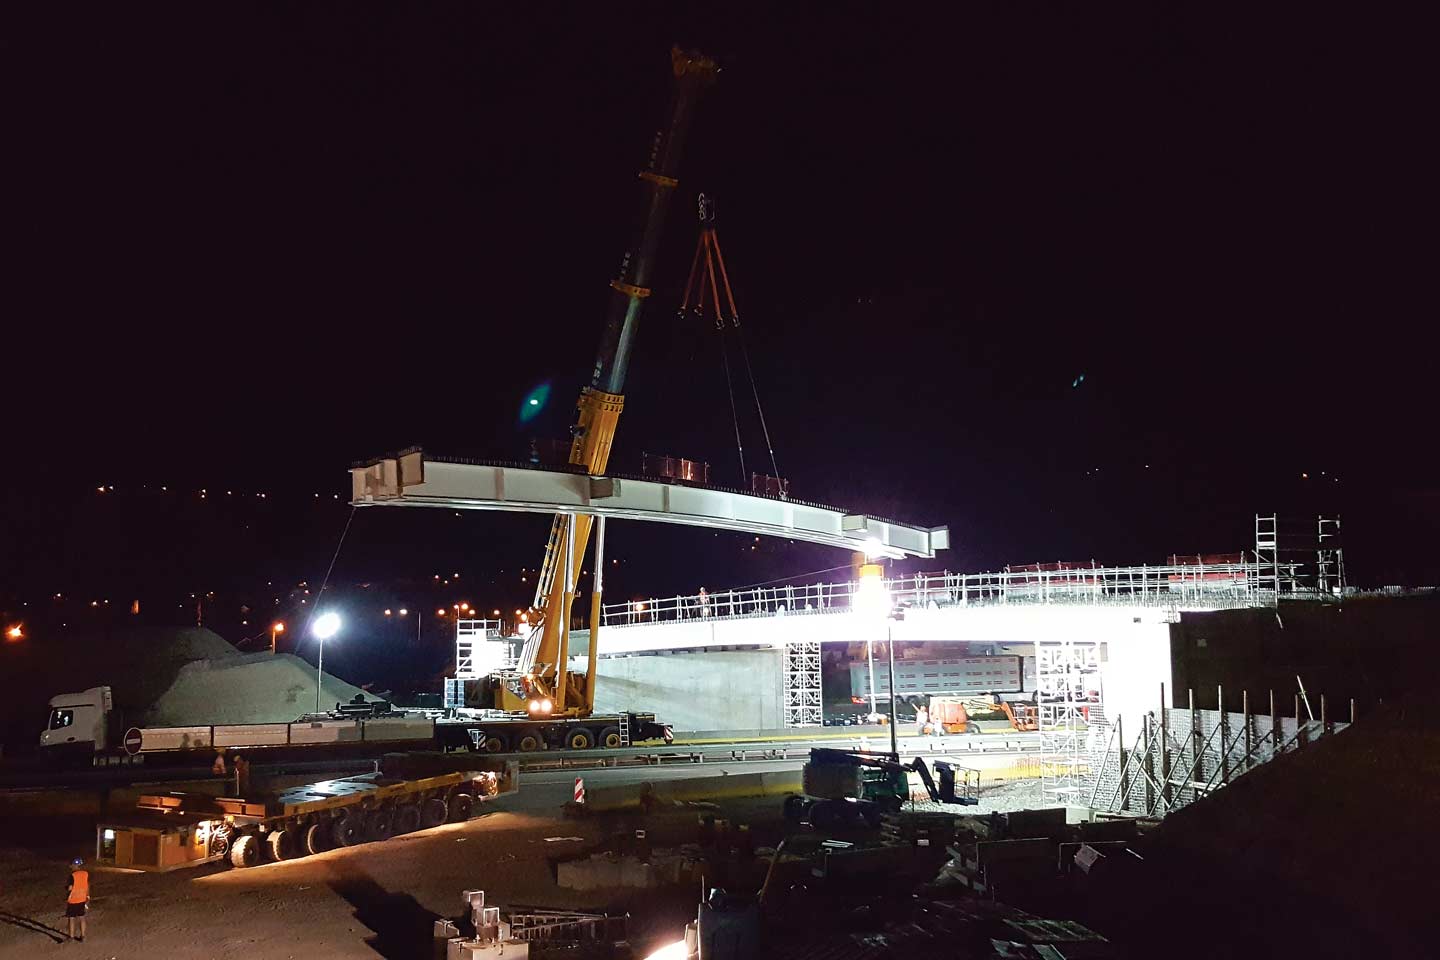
(78, 901)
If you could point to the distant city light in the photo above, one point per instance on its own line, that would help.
(440, 612)
(495, 613)
(387, 611)
(404, 612)
(16, 632)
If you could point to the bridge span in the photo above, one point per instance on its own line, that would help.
(1095, 643)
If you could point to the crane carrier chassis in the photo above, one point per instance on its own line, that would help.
(409, 791)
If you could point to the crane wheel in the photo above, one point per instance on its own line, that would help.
(245, 851)
(579, 739)
(494, 744)
(346, 831)
(281, 845)
(380, 825)
(527, 742)
(610, 738)
(460, 806)
(317, 837)
(407, 818)
(433, 812)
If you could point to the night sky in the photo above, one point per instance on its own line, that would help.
(246, 246)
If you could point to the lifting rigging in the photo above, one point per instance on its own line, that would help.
(707, 277)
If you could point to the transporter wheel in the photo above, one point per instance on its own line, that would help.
(610, 738)
(494, 743)
(282, 845)
(433, 812)
(407, 818)
(245, 851)
(527, 742)
(317, 837)
(346, 831)
(579, 739)
(460, 806)
(380, 825)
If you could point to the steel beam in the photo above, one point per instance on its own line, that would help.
(413, 480)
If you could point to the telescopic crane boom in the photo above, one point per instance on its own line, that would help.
(543, 684)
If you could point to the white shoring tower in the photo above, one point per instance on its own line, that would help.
(1068, 682)
(802, 683)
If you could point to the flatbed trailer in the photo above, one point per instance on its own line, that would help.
(86, 726)
(410, 791)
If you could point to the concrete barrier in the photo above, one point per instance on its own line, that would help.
(699, 789)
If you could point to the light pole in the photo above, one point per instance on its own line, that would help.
(276, 627)
(872, 606)
(325, 626)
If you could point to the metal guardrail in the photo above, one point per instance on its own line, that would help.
(760, 751)
(1196, 586)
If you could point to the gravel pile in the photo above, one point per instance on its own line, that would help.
(245, 688)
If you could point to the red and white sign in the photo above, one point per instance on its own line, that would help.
(133, 740)
(579, 789)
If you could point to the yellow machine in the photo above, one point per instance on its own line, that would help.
(543, 687)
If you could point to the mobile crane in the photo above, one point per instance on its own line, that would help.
(542, 686)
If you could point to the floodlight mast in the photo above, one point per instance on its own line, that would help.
(542, 673)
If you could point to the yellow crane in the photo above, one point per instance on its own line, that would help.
(543, 686)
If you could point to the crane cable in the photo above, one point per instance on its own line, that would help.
(707, 256)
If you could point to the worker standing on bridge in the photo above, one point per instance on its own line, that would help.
(704, 599)
(77, 902)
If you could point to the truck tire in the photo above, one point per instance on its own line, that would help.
(347, 831)
(245, 851)
(407, 818)
(317, 837)
(460, 806)
(433, 812)
(282, 845)
(494, 743)
(527, 742)
(610, 738)
(579, 738)
(380, 825)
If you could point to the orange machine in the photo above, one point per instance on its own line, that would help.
(952, 714)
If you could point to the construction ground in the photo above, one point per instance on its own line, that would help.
(1324, 851)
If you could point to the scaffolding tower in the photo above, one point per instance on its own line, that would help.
(802, 684)
(1071, 706)
(1298, 557)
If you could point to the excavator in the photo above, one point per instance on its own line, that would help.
(542, 686)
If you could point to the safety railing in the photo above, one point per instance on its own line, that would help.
(1189, 586)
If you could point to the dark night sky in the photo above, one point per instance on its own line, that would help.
(249, 245)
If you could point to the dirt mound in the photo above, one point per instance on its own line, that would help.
(160, 676)
(1321, 852)
(245, 688)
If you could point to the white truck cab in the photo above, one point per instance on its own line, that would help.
(78, 720)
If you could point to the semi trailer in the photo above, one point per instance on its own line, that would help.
(89, 727)
(408, 792)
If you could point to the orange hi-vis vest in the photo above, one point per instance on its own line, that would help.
(79, 886)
